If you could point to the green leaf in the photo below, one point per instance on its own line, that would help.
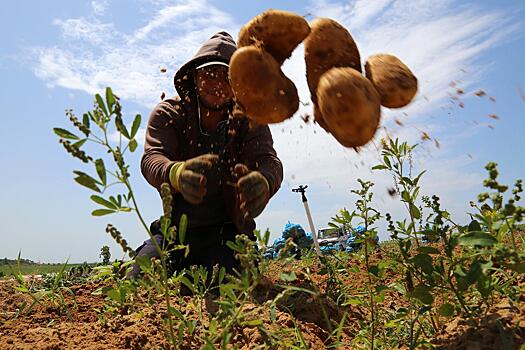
(446, 310)
(288, 276)
(386, 160)
(80, 143)
(133, 145)
(353, 301)
(104, 202)
(121, 127)
(85, 120)
(423, 261)
(416, 180)
(477, 238)
(406, 196)
(86, 180)
(422, 293)
(110, 99)
(414, 211)
(407, 180)
(379, 167)
(183, 224)
(101, 104)
(474, 226)
(65, 134)
(102, 212)
(252, 323)
(374, 270)
(101, 170)
(428, 250)
(136, 125)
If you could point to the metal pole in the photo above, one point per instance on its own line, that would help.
(302, 190)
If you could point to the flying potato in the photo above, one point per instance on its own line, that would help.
(278, 32)
(328, 45)
(261, 89)
(350, 106)
(392, 79)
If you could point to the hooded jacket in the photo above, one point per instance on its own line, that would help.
(174, 134)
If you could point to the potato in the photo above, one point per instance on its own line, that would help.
(349, 105)
(392, 79)
(260, 88)
(328, 45)
(278, 32)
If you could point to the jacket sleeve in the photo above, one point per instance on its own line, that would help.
(259, 154)
(162, 144)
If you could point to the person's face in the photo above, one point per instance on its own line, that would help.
(213, 86)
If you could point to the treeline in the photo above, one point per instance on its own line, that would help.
(6, 261)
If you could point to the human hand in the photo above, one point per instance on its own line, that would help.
(188, 177)
(254, 191)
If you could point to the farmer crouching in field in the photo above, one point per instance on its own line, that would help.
(221, 169)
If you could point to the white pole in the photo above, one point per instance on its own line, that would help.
(312, 228)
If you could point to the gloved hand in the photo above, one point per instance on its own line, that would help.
(254, 191)
(188, 177)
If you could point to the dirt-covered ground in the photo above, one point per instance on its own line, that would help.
(143, 328)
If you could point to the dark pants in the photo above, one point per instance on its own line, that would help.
(207, 248)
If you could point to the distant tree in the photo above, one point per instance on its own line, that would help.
(105, 254)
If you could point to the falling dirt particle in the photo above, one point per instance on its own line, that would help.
(460, 91)
(391, 191)
(491, 127)
(282, 130)
(426, 98)
(463, 70)
(162, 96)
(163, 70)
(480, 93)
(469, 155)
(292, 177)
(438, 145)
(492, 98)
(425, 136)
(493, 116)
(281, 92)
(398, 122)
(305, 117)
(461, 105)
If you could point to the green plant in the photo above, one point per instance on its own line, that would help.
(105, 254)
(475, 259)
(52, 295)
(366, 216)
(102, 116)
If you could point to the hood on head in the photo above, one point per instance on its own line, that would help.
(220, 47)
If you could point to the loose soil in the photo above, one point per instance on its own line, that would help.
(143, 327)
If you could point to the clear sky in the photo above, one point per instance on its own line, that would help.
(56, 54)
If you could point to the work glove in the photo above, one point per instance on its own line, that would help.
(253, 190)
(188, 177)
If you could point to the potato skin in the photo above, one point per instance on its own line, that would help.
(328, 45)
(278, 32)
(392, 79)
(261, 89)
(350, 106)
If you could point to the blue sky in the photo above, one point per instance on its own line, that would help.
(56, 55)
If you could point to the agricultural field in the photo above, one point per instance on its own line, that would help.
(31, 268)
(435, 285)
